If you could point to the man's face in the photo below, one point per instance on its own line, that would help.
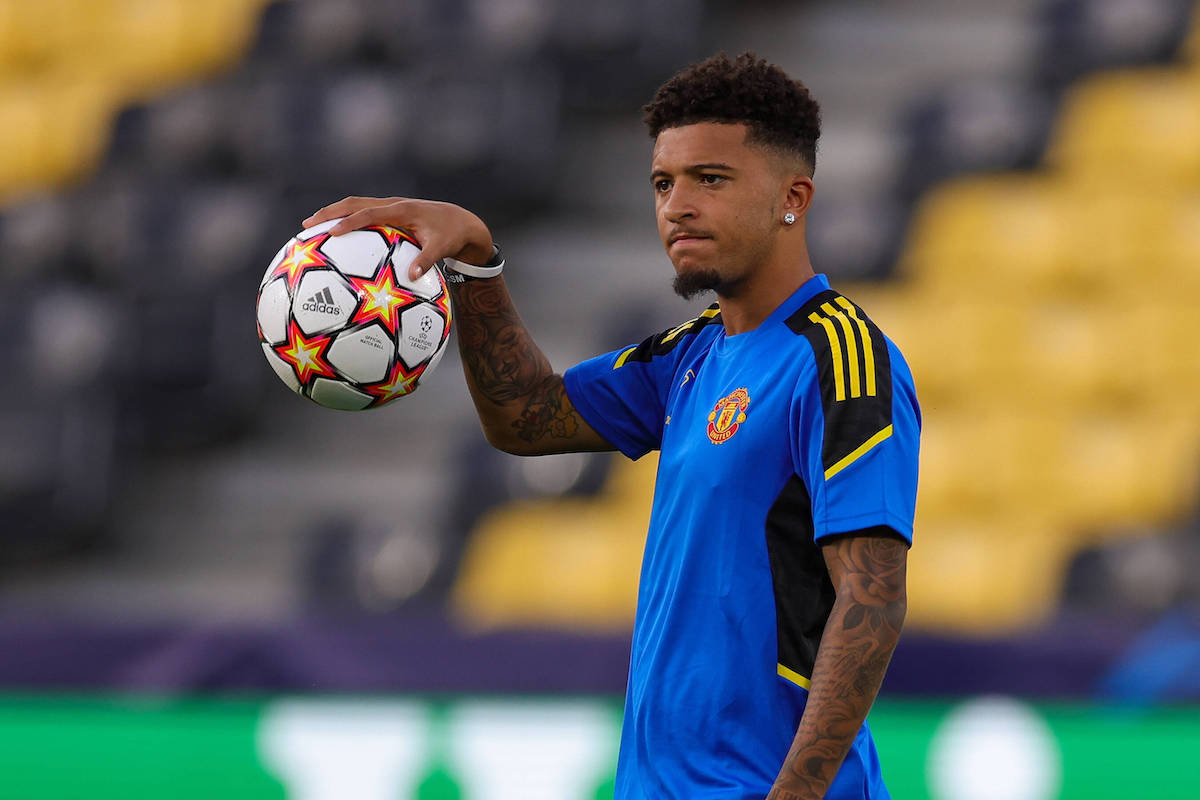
(717, 203)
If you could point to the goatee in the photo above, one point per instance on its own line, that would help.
(697, 281)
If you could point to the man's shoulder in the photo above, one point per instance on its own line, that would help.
(852, 355)
(673, 340)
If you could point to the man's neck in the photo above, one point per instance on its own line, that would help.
(762, 294)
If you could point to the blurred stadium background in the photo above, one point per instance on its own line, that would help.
(211, 588)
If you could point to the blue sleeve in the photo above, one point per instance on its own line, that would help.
(859, 455)
(626, 404)
(623, 394)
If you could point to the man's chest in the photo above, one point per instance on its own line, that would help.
(728, 420)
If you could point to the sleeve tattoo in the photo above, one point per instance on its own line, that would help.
(505, 365)
(869, 574)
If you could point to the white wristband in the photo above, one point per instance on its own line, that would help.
(491, 269)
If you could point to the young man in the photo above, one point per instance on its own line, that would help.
(773, 582)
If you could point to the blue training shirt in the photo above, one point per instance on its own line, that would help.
(805, 427)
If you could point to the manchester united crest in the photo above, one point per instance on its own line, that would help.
(727, 415)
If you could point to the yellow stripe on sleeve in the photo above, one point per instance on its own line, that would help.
(621, 359)
(836, 347)
(868, 348)
(858, 452)
(794, 677)
(851, 348)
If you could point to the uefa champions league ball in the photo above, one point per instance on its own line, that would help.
(342, 324)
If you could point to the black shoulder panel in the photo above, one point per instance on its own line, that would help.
(854, 370)
(662, 343)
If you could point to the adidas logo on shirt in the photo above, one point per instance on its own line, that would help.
(323, 302)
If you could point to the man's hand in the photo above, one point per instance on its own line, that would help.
(443, 230)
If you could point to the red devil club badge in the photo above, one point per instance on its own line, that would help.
(727, 415)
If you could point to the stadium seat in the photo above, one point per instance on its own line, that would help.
(73, 63)
(186, 132)
(992, 235)
(982, 573)
(51, 130)
(854, 237)
(31, 240)
(1178, 251)
(567, 563)
(59, 453)
(1191, 46)
(34, 35)
(1083, 36)
(144, 46)
(973, 127)
(1136, 126)
(1119, 472)
(609, 53)
(1116, 235)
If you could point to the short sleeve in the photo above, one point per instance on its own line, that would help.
(623, 394)
(857, 427)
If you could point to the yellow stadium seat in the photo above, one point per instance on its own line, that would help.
(1152, 358)
(22, 123)
(1115, 232)
(1050, 323)
(1118, 472)
(33, 35)
(51, 131)
(71, 64)
(995, 527)
(990, 236)
(570, 563)
(1126, 355)
(987, 353)
(991, 461)
(983, 573)
(1131, 126)
(144, 46)
(1177, 252)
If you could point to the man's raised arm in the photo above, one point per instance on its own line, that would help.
(522, 404)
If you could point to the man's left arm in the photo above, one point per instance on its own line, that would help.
(868, 574)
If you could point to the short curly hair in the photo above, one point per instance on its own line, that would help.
(780, 112)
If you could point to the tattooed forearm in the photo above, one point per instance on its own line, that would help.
(519, 397)
(547, 412)
(863, 628)
(499, 354)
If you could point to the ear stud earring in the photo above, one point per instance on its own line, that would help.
(789, 218)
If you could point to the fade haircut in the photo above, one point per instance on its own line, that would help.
(779, 112)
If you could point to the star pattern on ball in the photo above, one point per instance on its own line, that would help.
(381, 300)
(398, 383)
(393, 236)
(299, 257)
(443, 303)
(306, 356)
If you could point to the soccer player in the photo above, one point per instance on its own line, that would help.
(772, 588)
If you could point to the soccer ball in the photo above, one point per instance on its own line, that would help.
(342, 324)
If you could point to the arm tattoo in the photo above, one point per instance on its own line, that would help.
(863, 627)
(505, 367)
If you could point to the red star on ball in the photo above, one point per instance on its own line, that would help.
(443, 302)
(398, 383)
(307, 356)
(299, 257)
(381, 300)
(393, 235)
